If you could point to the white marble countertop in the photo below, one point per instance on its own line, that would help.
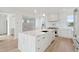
(37, 32)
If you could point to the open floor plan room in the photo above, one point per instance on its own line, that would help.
(59, 45)
(39, 29)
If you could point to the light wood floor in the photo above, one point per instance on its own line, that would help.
(59, 45)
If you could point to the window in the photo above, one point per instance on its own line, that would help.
(70, 20)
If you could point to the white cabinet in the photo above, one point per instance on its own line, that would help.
(52, 24)
(37, 43)
(67, 33)
(41, 43)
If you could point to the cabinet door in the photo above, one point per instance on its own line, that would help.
(31, 43)
(21, 42)
(48, 38)
(61, 33)
(68, 33)
(40, 43)
(25, 43)
(52, 35)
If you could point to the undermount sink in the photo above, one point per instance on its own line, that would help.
(44, 31)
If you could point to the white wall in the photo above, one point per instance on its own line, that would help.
(62, 23)
(14, 22)
(18, 25)
(38, 23)
(3, 24)
(11, 23)
(62, 20)
(41, 20)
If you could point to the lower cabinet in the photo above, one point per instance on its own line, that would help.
(42, 43)
(38, 43)
(68, 33)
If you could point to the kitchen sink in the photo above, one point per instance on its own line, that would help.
(44, 31)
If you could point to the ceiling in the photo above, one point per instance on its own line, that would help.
(37, 10)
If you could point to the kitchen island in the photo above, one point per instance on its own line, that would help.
(36, 40)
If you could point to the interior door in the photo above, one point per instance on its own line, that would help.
(3, 24)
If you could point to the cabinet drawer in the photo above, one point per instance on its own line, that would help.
(41, 47)
(40, 43)
(40, 37)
